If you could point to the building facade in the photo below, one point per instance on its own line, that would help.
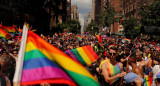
(131, 8)
(74, 13)
(116, 27)
(68, 9)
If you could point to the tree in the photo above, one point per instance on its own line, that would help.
(92, 27)
(107, 17)
(131, 29)
(150, 15)
(72, 25)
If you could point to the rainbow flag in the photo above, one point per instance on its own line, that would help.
(10, 42)
(65, 34)
(111, 45)
(4, 34)
(137, 40)
(148, 81)
(9, 29)
(85, 55)
(45, 38)
(44, 63)
(128, 39)
(56, 34)
(79, 37)
(99, 38)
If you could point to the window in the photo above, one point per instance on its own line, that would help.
(133, 6)
(121, 6)
(120, 12)
(121, 1)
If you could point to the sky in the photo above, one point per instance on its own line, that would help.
(84, 6)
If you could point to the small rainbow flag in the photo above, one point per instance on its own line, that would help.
(56, 34)
(128, 39)
(53, 66)
(79, 37)
(45, 38)
(9, 29)
(137, 40)
(99, 38)
(148, 81)
(111, 45)
(10, 42)
(4, 34)
(65, 34)
(85, 55)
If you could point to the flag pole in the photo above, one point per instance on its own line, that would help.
(19, 65)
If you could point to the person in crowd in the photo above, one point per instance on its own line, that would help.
(4, 70)
(112, 70)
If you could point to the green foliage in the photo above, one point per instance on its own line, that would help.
(92, 27)
(130, 28)
(107, 17)
(151, 14)
(72, 25)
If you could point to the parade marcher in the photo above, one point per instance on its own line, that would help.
(111, 69)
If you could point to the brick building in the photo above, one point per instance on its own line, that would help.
(96, 10)
(131, 8)
(116, 27)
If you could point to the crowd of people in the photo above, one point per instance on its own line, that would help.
(121, 62)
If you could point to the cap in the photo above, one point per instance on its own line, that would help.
(130, 77)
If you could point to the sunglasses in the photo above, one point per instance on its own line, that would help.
(112, 54)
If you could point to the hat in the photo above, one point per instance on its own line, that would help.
(130, 77)
(132, 59)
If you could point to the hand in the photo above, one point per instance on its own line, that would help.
(138, 82)
(122, 74)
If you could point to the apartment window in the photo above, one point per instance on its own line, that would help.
(120, 12)
(127, 10)
(121, 1)
(121, 6)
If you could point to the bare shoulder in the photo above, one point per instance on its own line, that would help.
(104, 65)
(121, 65)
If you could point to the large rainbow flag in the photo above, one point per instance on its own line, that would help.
(85, 55)
(9, 29)
(4, 34)
(44, 63)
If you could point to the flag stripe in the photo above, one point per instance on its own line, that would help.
(90, 56)
(52, 81)
(34, 54)
(38, 62)
(83, 55)
(72, 55)
(92, 52)
(83, 78)
(39, 74)
(78, 56)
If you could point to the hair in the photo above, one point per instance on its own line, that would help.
(114, 48)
